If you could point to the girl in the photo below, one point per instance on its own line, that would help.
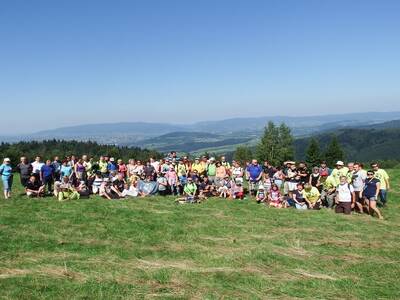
(172, 178)
(279, 177)
(6, 177)
(267, 182)
(261, 195)
(275, 198)
(315, 179)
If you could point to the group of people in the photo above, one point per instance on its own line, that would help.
(344, 188)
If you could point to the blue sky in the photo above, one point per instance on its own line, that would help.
(75, 62)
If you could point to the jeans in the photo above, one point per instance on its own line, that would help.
(383, 196)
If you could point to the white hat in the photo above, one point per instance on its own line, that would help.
(7, 159)
(340, 163)
(261, 187)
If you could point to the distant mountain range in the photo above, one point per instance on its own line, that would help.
(216, 136)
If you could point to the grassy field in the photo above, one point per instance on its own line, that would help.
(152, 248)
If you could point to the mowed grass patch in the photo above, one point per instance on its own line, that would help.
(153, 248)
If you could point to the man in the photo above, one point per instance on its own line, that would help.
(33, 187)
(339, 171)
(190, 190)
(198, 166)
(37, 166)
(102, 166)
(268, 169)
(56, 164)
(358, 180)
(47, 175)
(324, 172)
(312, 195)
(24, 168)
(345, 197)
(254, 174)
(225, 163)
(350, 167)
(211, 170)
(118, 186)
(384, 181)
(328, 192)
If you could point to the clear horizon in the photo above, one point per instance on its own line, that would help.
(73, 63)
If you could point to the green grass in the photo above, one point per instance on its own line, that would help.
(152, 248)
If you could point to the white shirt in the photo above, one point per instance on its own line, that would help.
(37, 166)
(344, 192)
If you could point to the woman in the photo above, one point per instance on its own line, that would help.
(279, 177)
(6, 177)
(315, 179)
(371, 192)
(237, 172)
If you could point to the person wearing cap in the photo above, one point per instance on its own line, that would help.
(211, 170)
(111, 166)
(261, 195)
(6, 177)
(339, 171)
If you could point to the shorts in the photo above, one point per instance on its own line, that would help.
(343, 208)
(370, 198)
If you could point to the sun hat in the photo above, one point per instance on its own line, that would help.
(7, 159)
(261, 187)
(340, 163)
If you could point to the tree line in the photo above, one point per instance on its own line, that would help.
(277, 146)
(48, 149)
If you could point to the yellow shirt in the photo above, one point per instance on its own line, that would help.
(330, 183)
(383, 177)
(337, 173)
(198, 167)
(313, 195)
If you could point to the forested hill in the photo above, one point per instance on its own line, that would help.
(50, 148)
(365, 144)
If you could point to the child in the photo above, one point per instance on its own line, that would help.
(261, 195)
(162, 184)
(223, 190)
(237, 191)
(172, 178)
(275, 198)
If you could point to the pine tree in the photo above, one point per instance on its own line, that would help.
(242, 154)
(313, 153)
(285, 144)
(276, 144)
(334, 152)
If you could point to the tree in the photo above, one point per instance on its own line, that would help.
(276, 144)
(334, 152)
(242, 154)
(313, 152)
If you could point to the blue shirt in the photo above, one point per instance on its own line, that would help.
(66, 171)
(5, 170)
(47, 171)
(254, 171)
(111, 167)
(370, 188)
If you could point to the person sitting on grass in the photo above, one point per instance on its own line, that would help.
(237, 191)
(312, 195)
(345, 197)
(118, 186)
(131, 190)
(275, 198)
(225, 186)
(147, 187)
(65, 191)
(189, 191)
(300, 202)
(328, 192)
(205, 188)
(261, 195)
(371, 193)
(105, 189)
(33, 188)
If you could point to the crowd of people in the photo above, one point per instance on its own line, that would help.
(345, 188)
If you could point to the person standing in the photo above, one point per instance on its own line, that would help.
(6, 177)
(358, 178)
(371, 192)
(254, 174)
(47, 175)
(383, 177)
(24, 169)
(37, 166)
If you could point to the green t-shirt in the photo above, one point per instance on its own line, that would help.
(190, 188)
(211, 170)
